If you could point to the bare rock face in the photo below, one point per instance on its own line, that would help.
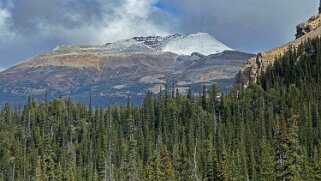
(257, 65)
(311, 25)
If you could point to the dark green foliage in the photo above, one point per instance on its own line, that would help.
(270, 131)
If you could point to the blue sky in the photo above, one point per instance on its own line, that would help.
(167, 8)
(29, 27)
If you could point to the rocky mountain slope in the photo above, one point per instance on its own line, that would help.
(124, 68)
(256, 65)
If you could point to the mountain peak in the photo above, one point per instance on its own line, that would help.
(200, 42)
(180, 44)
(184, 44)
(201, 34)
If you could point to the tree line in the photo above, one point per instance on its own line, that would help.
(270, 131)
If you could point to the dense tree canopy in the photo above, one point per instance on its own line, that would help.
(270, 131)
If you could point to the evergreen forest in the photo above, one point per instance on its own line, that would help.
(269, 131)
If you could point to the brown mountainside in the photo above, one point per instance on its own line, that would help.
(114, 71)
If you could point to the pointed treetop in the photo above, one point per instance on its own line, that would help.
(320, 7)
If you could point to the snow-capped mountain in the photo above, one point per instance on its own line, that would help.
(123, 68)
(179, 44)
(182, 44)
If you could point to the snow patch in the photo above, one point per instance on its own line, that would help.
(156, 79)
(128, 46)
(157, 88)
(183, 83)
(2, 69)
(118, 87)
(200, 42)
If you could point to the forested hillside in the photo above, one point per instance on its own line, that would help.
(270, 131)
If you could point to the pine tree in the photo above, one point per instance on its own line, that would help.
(166, 164)
(38, 170)
(131, 167)
(155, 162)
(294, 157)
(267, 164)
(50, 165)
(317, 162)
(59, 173)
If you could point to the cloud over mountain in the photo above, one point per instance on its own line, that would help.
(84, 21)
(33, 26)
(5, 33)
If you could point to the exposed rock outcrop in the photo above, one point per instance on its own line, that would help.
(311, 25)
(255, 66)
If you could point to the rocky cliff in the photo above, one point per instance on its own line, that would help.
(255, 66)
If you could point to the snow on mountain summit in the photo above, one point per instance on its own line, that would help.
(181, 44)
(200, 42)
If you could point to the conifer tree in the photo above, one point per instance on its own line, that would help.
(267, 164)
(38, 170)
(166, 163)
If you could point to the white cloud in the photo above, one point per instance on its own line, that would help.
(115, 20)
(132, 18)
(5, 33)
